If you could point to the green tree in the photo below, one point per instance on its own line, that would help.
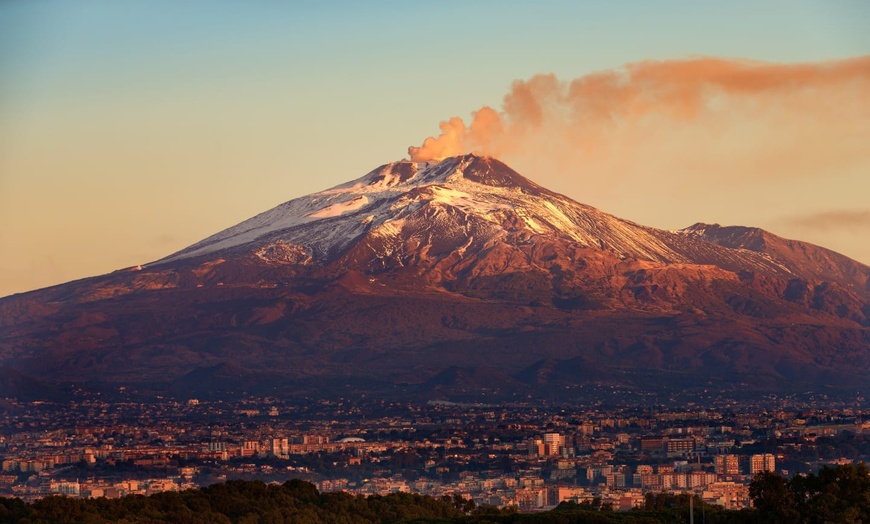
(838, 494)
(773, 498)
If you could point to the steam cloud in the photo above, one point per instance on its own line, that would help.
(595, 113)
(676, 142)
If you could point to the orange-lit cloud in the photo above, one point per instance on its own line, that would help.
(707, 139)
(843, 230)
(450, 142)
(830, 220)
(593, 114)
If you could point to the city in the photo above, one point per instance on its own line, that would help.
(529, 457)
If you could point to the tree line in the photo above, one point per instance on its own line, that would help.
(838, 494)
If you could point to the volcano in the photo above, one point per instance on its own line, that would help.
(458, 279)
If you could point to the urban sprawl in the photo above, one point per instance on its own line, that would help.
(526, 456)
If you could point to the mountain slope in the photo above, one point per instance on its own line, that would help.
(450, 278)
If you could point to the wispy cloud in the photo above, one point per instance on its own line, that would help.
(846, 231)
(832, 220)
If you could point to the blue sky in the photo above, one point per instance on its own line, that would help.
(129, 130)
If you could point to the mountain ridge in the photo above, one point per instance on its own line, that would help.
(463, 270)
(424, 182)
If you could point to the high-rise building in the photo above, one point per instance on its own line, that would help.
(536, 447)
(250, 448)
(762, 462)
(680, 445)
(727, 465)
(653, 444)
(280, 447)
(553, 443)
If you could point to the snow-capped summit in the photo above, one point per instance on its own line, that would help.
(457, 277)
(405, 198)
(424, 213)
(327, 221)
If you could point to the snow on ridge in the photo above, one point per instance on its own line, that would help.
(340, 208)
(328, 221)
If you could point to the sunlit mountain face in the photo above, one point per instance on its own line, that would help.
(456, 279)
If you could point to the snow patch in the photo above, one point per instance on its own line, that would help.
(340, 208)
(327, 222)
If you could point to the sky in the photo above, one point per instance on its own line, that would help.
(130, 130)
